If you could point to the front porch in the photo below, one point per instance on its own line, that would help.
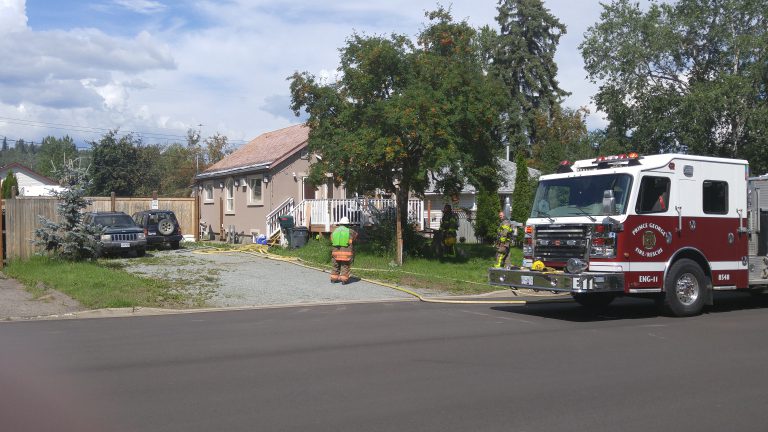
(323, 215)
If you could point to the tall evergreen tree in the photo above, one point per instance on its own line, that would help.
(487, 219)
(5, 144)
(523, 193)
(524, 58)
(9, 183)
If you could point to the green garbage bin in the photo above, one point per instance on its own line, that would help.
(286, 221)
(286, 226)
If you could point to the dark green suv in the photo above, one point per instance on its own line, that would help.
(119, 234)
(160, 227)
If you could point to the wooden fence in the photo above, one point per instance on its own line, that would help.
(22, 217)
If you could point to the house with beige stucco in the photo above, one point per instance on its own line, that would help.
(249, 190)
(266, 178)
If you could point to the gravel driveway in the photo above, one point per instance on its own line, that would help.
(239, 280)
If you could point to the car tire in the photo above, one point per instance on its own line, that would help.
(685, 289)
(141, 252)
(166, 227)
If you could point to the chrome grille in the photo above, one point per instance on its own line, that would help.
(124, 237)
(560, 242)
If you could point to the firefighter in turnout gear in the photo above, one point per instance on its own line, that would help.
(449, 225)
(342, 253)
(505, 235)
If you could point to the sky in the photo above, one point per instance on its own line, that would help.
(157, 68)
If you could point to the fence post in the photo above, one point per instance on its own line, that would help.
(112, 201)
(2, 233)
(197, 217)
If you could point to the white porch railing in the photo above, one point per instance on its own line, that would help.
(273, 218)
(328, 212)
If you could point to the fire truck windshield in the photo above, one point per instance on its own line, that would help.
(580, 196)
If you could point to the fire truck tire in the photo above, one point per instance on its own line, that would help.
(594, 301)
(684, 289)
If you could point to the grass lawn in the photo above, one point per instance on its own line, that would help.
(94, 284)
(465, 274)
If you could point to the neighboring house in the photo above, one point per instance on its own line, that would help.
(31, 183)
(262, 180)
(467, 200)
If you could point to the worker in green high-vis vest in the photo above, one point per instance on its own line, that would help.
(342, 253)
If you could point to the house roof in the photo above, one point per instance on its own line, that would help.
(17, 167)
(509, 172)
(263, 152)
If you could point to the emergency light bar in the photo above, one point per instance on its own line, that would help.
(631, 158)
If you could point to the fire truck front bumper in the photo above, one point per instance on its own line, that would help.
(557, 281)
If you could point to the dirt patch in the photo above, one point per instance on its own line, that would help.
(18, 303)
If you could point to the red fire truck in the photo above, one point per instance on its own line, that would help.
(673, 227)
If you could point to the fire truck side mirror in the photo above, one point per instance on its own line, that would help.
(609, 202)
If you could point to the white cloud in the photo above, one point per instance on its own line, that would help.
(229, 75)
(141, 6)
(13, 16)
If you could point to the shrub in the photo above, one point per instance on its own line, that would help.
(70, 239)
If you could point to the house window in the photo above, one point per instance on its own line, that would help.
(208, 192)
(230, 187)
(715, 197)
(255, 190)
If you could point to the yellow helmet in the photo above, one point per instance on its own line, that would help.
(537, 265)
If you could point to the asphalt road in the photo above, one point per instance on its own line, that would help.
(402, 366)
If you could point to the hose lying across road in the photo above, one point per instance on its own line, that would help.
(261, 251)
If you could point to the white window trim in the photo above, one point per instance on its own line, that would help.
(229, 209)
(251, 202)
(206, 187)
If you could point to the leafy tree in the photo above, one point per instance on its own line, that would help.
(9, 183)
(216, 147)
(195, 149)
(685, 76)
(117, 165)
(402, 112)
(487, 219)
(21, 146)
(153, 170)
(604, 142)
(562, 135)
(523, 193)
(524, 58)
(178, 164)
(69, 238)
(52, 150)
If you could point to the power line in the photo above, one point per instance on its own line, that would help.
(92, 129)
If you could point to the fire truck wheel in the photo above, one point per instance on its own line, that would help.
(684, 289)
(594, 301)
